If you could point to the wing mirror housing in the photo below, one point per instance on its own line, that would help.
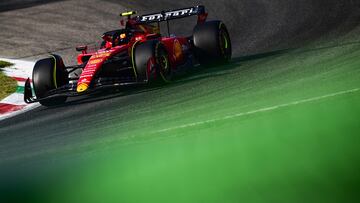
(83, 49)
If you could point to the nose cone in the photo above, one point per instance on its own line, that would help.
(82, 87)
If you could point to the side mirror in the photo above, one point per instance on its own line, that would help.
(83, 49)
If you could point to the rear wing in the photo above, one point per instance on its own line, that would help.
(173, 14)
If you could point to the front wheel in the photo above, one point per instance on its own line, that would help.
(49, 74)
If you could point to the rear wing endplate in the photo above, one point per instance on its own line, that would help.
(171, 14)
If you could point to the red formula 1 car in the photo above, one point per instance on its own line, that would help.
(137, 54)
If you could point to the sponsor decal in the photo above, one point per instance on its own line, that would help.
(91, 69)
(168, 15)
(101, 55)
(87, 75)
(88, 72)
(82, 87)
(82, 80)
(95, 61)
(90, 65)
(177, 50)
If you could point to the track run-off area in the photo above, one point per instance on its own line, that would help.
(280, 123)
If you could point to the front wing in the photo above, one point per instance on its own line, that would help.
(69, 90)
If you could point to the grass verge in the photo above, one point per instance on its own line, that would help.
(7, 84)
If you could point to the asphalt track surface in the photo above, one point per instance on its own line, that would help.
(261, 31)
(255, 26)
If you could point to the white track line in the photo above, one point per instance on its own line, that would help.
(259, 110)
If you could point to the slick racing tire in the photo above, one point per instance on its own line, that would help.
(49, 74)
(212, 43)
(151, 61)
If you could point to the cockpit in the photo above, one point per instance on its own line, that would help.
(116, 38)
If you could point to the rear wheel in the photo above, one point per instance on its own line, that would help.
(212, 43)
(49, 74)
(151, 61)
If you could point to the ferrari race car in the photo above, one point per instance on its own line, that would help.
(135, 55)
